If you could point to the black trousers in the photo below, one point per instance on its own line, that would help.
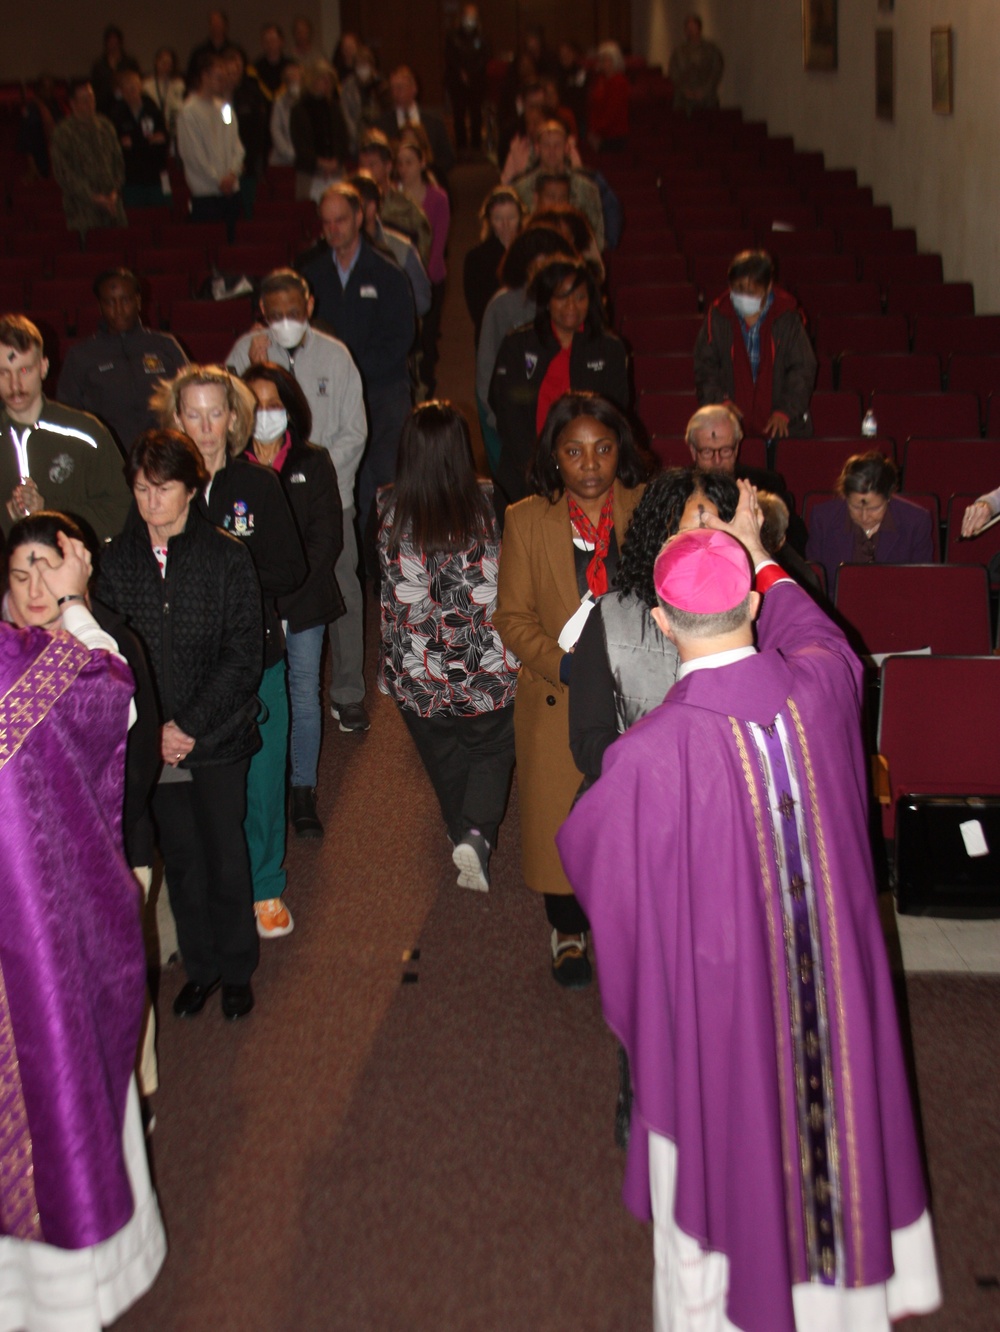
(469, 761)
(226, 208)
(200, 827)
(565, 914)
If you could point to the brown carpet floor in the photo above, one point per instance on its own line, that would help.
(414, 1128)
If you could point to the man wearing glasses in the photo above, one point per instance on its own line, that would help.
(713, 436)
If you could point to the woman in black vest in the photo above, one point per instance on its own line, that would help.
(566, 350)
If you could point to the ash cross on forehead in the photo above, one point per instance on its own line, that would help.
(12, 356)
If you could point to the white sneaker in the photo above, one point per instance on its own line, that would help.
(471, 857)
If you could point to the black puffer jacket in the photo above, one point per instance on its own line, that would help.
(202, 627)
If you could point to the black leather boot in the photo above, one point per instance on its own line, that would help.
(305, 820)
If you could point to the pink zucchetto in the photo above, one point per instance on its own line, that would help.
(704, 572)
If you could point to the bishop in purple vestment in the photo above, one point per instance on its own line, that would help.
(724, 862)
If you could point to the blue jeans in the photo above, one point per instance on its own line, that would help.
(304, 650)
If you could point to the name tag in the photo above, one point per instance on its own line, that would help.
(110, 365)
(296, 478)
(369, 293)
(595, 365)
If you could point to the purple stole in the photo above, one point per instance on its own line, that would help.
(72, 965)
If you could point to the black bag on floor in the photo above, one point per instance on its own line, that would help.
(948, 855)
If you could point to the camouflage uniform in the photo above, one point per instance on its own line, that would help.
(86, 160)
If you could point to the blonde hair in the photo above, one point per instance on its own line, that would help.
(166, 401)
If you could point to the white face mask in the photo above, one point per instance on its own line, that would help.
(272, 422)
(746, 305)
(288, 333)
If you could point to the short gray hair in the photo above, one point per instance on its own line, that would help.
(689, 624)
(707, 417)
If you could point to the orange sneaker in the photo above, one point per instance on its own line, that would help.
(273, 918)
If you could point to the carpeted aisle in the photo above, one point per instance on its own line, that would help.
(368, 1154)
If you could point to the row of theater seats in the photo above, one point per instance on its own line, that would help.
(891, 335)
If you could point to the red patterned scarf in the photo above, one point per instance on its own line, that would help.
(599, 537)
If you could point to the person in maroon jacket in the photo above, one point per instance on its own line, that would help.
(754, 354)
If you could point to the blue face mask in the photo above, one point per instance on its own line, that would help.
(746, 306)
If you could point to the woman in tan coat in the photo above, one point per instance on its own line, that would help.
(560, 551)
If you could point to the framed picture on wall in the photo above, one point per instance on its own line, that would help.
(942, 88)
(819, 34)
(885, 74)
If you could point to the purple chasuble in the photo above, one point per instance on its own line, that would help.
(72, 963)
(724, 862)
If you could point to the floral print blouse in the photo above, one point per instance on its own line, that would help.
(440, 652)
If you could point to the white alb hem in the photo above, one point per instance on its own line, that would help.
(690, 1285)
(45, 1289)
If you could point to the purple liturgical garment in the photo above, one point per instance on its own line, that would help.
(724, 862)
(72, 971)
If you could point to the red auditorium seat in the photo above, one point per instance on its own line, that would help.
(717, 241)
(645, 270)
(835, 415)
(886, 269)
(272, 231)
(86, 267)
(254, 260)
(938, 415)
(993, 416)
(164, 289)
(856, 217)
(814, 464)
(120, 240)
(923, 298)
(39, 248)
(662, 374)
(687, 217)
(211, 316)
(12, 292)
(671, 452)
(814, 240)
(946, 467)
(946, 334)
(975, 550)
(193, 260)
(905, 607)
(205, 348)
(666, 413)
(188, 235)
(895, 373)
(974, 374)
(815, 268)
(757, 198)
(653, 333)
(938, 721)
(899, 240)
(679, 298)
(837, 334)
(839, 298)
(770, 219)
(58, 294)
(710, 274)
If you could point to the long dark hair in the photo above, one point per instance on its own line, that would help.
(544, 477)
(547, 281)
(292, 398)
(438, 504)
(657, 516)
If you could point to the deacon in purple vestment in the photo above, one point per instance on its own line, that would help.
(72, 965)
(723, 860)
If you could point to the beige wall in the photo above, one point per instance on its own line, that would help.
(64, 36)
(941, 174)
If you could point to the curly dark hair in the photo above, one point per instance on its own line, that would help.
(544, 478)
(657, 516)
